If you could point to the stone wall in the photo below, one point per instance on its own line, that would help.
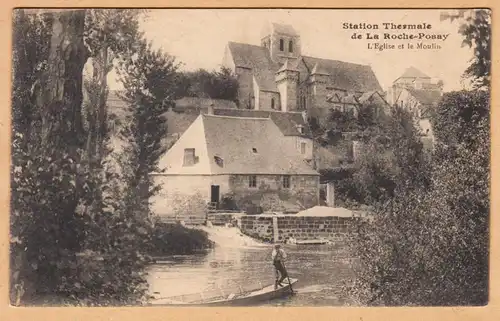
(245, 87)
(331, 228)
(272, 196)
(219, 218)
(265, 100)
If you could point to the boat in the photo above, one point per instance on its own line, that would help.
(312, 242)
(234, 297)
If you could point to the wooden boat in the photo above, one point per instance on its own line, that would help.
(241, 297)
(311, 242)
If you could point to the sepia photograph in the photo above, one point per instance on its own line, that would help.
(250, 157)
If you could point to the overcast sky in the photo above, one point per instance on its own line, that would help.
(197, 38)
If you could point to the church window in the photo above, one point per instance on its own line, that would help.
(282, 45)
(290, 46)
(272, 103)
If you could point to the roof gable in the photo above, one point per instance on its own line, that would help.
(372, 97)
(413, 72)
(242, 146)
(345, 75)
(193, 137)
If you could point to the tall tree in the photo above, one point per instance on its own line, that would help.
(149, 79)
(436, 251)
(46, 183)
(475, 27)
(109, 33)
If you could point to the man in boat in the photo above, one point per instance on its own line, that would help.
(279, 257)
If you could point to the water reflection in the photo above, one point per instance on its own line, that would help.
(320, 270)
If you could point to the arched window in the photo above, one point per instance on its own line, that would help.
(282, 45)
(272, 103)
(290, 46)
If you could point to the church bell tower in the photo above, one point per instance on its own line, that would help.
(282, 41)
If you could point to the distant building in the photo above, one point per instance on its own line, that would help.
(276, 76)
(246, 157)
(416, 92)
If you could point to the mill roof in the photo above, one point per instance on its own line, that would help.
(243, 146)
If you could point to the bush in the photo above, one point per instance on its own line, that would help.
(228, 203)
(175, 239)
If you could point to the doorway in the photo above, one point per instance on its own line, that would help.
(215, 194)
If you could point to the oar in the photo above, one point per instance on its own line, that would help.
(288, 276)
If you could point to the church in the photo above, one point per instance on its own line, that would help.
(276, 76)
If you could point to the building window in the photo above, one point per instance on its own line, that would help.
(189, 157)
(282, 45)
(286, 181)
(290, 46)
(272, 103)
(252, 181)
(254, 150)
(219, 161)
(302, 148)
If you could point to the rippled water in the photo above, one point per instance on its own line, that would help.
(319, 268)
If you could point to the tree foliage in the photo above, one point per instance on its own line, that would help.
(475, 27)
(71, 235)
(221, 84)
(429, 244)
(437, 250)
(148, 77)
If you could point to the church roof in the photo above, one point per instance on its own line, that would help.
(284, 29)
(413, 72)
(345, 75)
(244, 147)
(280, 28)
(288, 65)
(318, 71)
(257, 59)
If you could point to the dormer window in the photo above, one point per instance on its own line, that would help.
(219, 161)
(300, 128)
(290, 46)
(190, 157)
(282, 45)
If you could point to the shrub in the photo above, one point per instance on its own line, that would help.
(175, 239)
(228, 203)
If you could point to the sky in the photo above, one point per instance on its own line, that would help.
(197, 38)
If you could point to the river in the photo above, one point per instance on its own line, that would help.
(319, 268)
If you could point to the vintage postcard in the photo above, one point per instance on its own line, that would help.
(250, 157)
